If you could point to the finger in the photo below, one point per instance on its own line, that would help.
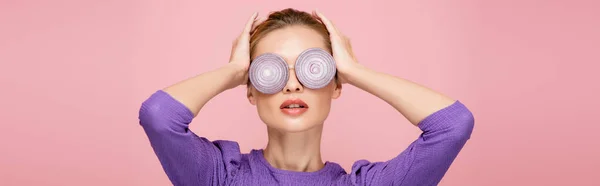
(347, 41)
(250, 22)
(332, 29)
(314, 14)
(257, 22)
(349, 47)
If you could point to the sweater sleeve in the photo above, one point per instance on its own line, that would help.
(427, 159)
(186, 158)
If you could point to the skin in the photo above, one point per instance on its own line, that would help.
(294, 142)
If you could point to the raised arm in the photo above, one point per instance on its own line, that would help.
(186, 158)
(197, 91)
(446, 124)
(413, 101)
(427, 159)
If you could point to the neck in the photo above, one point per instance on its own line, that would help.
(297, 151)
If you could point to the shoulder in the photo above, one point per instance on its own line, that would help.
(390, 172)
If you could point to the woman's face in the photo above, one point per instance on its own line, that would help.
(289, 42)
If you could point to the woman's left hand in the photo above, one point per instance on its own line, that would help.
(342, 49)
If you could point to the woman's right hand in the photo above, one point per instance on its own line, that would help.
(240, 52)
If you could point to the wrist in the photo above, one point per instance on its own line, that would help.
(352, 72)
(237, 73)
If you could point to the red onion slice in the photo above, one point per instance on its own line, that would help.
(315, 68)
(268, 73)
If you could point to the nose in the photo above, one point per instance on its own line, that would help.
(293, 85)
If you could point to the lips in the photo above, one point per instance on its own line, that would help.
(293, 103)
(293, 107)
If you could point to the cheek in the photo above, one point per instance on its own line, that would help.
(267, 104)
(321, 100)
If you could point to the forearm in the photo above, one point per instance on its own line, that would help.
(195, 92)
(413, 101)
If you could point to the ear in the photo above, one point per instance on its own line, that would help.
(250, 95)
(337, 90)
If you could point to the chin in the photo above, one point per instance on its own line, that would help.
(299, 124)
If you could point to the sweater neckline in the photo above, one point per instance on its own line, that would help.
(259, 154)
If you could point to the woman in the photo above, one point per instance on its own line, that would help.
(294, 115)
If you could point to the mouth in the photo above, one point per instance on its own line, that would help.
(293, 107)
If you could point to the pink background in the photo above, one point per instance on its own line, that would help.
(527, 69)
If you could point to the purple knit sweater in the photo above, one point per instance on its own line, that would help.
(189, 159)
